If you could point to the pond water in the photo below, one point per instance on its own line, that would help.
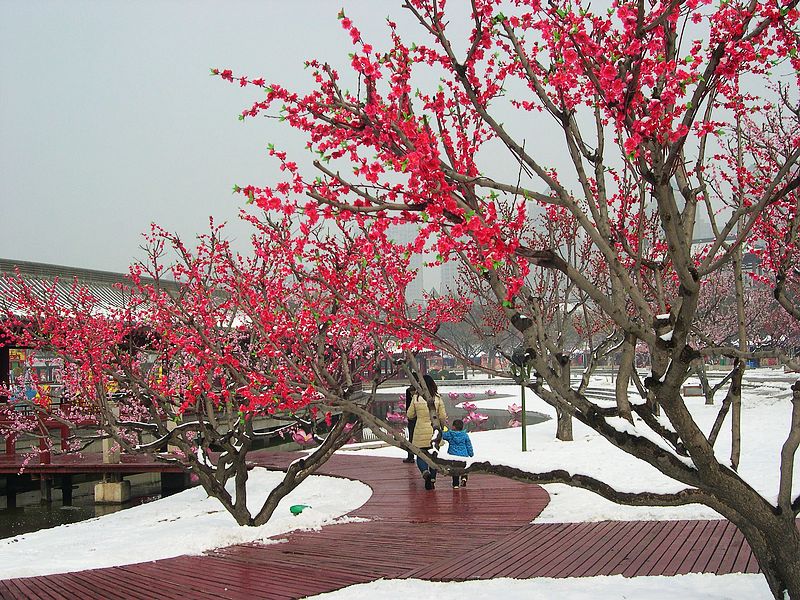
(497, 418)
(32, 515)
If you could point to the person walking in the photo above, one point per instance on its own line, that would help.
(423, 429)
(458, 444)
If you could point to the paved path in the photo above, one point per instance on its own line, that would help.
(479, 532)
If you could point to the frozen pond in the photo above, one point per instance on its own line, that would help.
(390, 402)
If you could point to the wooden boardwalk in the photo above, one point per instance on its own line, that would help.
(627, 548)
(479, 532)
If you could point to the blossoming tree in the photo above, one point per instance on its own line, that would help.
(210, 342)
(636, 97)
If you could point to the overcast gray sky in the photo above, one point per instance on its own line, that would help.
(109, 119)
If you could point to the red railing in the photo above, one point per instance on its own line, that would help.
(43, 427)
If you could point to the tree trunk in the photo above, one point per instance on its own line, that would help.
(708, 392)
(736, 404)
(738, 277)
(564, 427)
(771, 530)
(563, 417)
(624, 377)
(776, 546)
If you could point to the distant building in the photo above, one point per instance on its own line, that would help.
(751, 262)
(16, 367)
(405, 234)
(103, 285)
(450, 279)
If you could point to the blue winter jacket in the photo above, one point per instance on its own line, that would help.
(459, 443)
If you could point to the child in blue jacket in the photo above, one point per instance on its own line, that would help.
(459, 445)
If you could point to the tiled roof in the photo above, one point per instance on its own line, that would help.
(107, 287)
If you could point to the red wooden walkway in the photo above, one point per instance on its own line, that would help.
(479, 532)
(627, 548)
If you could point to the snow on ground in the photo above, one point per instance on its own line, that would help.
(766, 411)
(186, 523)
(190, 523)
(686, 587)
(766, 408)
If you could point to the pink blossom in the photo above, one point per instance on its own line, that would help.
(395, 417)
(476, 418)
(302, 438)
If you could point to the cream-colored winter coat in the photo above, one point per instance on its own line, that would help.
(423, 430)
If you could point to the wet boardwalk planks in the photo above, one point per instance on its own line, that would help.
(479, 532)
(605, 548)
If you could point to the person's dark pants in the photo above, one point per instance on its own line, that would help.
(457, 480)
(423, 466)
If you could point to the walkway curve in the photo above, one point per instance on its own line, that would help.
(480, 532)
(405, 528)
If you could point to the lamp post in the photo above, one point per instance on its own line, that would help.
(521, 369)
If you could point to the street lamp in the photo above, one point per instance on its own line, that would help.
(521, 368)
